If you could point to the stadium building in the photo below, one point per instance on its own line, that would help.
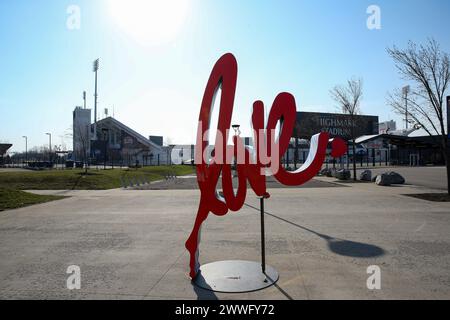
(112, 142)
(376, 143)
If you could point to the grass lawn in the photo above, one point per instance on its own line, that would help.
(75, 179)
(11, 199)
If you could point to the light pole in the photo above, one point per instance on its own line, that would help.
(237, 132)
(405, 93)
(95, 69)
(26, 148)
(49, 144)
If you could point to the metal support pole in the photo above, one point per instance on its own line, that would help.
(287, 158)
(296, 154)
(263, 246)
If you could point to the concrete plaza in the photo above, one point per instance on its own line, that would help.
(321, 238)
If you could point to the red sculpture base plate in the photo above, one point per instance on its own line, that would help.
(233, 276)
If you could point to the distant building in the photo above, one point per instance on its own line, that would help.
(183, 153)
(387, 127)
(248, 141)
(404, 149)
(81, 133)
(159, 140)
(3, 149)
(112, 141)
(336, 124)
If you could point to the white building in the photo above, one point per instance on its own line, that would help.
(387, 127)
(81, 133)
(111, 141)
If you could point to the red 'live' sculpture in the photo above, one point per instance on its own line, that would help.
(224, 76)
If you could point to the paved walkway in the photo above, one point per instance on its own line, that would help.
(129, 244)
(431, 177)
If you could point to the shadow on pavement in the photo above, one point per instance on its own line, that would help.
(203, 294)
(338, 246)
(208, 294)
(276, 285)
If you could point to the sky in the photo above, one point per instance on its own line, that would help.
(156, 57)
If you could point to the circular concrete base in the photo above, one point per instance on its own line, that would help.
(235, 276)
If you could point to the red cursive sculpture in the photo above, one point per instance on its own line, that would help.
(224, 75)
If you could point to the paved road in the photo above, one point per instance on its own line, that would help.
(13, 170)
(129, 244)
(431, 177)
(190, 182)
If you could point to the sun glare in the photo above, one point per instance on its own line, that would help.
(149, 22)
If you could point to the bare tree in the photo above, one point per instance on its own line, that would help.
(81, 147)
(428, 68)
(349, 97)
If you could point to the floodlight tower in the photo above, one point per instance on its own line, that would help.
(95, 69)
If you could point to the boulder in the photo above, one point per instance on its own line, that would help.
(383, 180)
(366, 175)
(374, 178)
(343, 174)
(325, 172)
(333, 172)
(395, 178)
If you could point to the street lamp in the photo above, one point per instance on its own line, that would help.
(236, 129)
(49, 144)
(406, 90)
(26, 148)
(237, 132)
(95, 67)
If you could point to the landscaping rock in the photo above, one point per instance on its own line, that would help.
(366, 175)
(325, 172)
(383, 180)
(395, 178)
(343, 174)
(333, 172)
